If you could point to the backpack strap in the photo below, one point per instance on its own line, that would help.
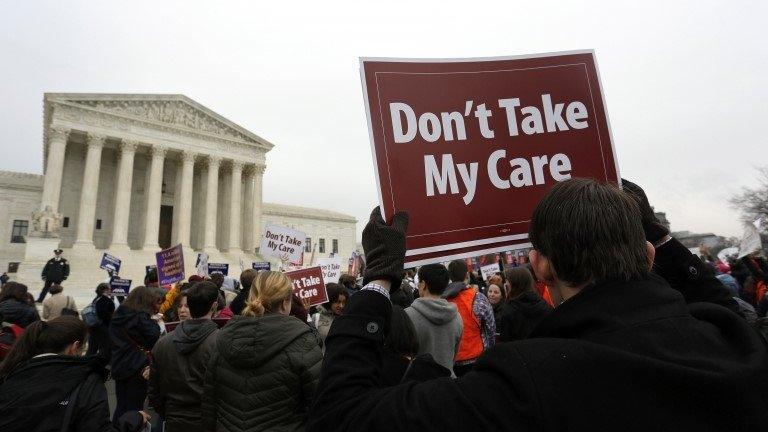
(70, 408)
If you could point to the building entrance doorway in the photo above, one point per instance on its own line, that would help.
(166, 225)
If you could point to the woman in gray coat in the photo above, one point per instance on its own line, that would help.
(264, 369)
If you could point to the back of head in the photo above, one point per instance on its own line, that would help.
(247, 277)
(102, 288)
(268, 291)
(435, 276)
(200, 298)
(519, 280)
(143, 299)
(589, 231)
(56, 288)
(401, 339)
(457, 269)
(150, 279)
(13, 290)
(218, 279)
(297, 308)
(42, 337)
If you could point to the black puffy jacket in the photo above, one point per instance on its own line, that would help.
(262, 375)
(35, 396)
(19, 313)
(133, 334)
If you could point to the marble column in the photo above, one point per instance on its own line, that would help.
(154, 199)
(249, 241)
(211, 205)
(258, 174)
(54, 168)
(234, 207)
(123, 195)
(86, 217)
(184, 200)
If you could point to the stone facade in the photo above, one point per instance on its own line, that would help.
(130, 174)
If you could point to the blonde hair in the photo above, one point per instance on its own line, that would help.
(268, 291)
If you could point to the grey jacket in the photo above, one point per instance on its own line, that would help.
(438, 328)
(262, 375)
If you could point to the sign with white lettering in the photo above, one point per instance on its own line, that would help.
(110, 263)
(468, 147)
(282, 242)
(308, 284)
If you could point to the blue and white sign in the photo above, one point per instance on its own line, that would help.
(120, 286)
(222, 268)
(261, 266)
(110, 263)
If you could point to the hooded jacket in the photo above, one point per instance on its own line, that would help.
(520, 315)
(325, 317)
(133, 333)
(17, 312)
(438, 329)
(35, 396)
(262, 375)
(176, 379)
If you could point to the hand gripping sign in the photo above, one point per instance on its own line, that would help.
(308, 284)
(469, 146)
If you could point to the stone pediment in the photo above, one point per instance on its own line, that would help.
(171, 110)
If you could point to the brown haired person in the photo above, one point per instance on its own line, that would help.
(47, 384)
(133, 333)
(55, 305)
(523, 309)
(15, 307)
(264, 368)
(180, 359)
(626, 350)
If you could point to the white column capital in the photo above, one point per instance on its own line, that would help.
(60, 133)
(95, 139)
(237, 165)
(158, 150)
(212, 161)
(188, 156)
(259, 169)
(128, 145)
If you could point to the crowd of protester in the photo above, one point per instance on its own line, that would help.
(619, 328)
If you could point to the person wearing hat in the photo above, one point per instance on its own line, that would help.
(56, 271)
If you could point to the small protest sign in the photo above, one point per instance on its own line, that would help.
(110, 263)
(478, 142)
(170, 265)
(750, 241)
(222, 268)
(284, 243)
(489, 270)
(149, 268)
(202, 264)
(120, 286)
(331, 269)
(261, 266)
(308, 284)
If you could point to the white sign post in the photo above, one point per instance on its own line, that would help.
(331, 269)
(284, 243)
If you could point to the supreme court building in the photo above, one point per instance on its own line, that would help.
(130, 174)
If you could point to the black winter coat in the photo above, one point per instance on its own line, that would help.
(176, 379)
(520, 315)
(133, 334)
(34, 397)
(262, 375)
(55, 271)
(618, 356)
(17, 312)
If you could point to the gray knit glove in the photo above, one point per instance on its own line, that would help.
(654, 230)
(384, 247)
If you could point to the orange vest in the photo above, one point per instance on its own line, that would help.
(471, 345)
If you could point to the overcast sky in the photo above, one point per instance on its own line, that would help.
(685, 82)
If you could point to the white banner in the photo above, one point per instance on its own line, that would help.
(489, 270)
(331, 269)
(284, 243)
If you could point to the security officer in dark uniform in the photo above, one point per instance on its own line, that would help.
(55, 271)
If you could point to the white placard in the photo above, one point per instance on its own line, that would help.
(331, 269)
(284, 243)
(489, 270)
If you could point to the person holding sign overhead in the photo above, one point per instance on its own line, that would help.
(265, 355)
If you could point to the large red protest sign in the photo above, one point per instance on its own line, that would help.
(469, 146)
(308, 284)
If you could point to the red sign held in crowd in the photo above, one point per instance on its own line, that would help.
(308, 284)
(469, 146)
